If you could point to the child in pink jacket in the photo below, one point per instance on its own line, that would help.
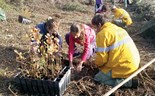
(83, 35)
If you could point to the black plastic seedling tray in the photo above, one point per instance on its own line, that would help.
(44, 87)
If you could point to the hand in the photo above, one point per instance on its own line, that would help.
(71, 65)
(79, 67)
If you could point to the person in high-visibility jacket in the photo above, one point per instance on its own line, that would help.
(121, 17)
(116, 54)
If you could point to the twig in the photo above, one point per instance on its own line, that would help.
(141, 76)
(146, 74)
(7, 62)
(146, 80)
(150, 81)
(88, 87)
(153, 87)
(131, 94)
(11, 90)
(143, 80)
(77, 86)
(148, 77)
(84, 78)
(84, 88)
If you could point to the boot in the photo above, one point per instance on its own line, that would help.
(134, 85)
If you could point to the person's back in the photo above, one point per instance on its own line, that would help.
(116, 54)
(123, 55)
(41, 26)
(121, 14)
(126, 17)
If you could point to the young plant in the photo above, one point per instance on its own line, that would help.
(43, 60)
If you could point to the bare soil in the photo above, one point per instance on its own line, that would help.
(13, 37)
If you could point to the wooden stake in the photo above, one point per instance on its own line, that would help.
(130, 77)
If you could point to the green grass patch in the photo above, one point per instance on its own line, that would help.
(4, 5)
(2, 71)
(73, 7)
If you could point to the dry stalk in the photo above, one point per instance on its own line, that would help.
(150, 81)
(41, 61)
(131, 94)
(149, 77)
(83, 86)
(77, 86)
(84, 78)
(144, 83)
(146, 74)
(145, 80)
(87, 87)
(140, 74)
(11, 90)
(148, 88)
(7, 62)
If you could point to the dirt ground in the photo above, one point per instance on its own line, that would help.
(13, 37)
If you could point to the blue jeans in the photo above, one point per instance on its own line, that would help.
(106, 78)
(60, 40)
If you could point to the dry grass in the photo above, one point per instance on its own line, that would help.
(13, 38)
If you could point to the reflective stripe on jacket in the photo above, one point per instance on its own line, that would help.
(124, 15)
(116, 51)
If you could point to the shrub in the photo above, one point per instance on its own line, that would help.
(42, 60)
(4, 5)
(73, 6)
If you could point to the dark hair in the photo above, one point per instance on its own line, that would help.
(104, 8)
(49, 23)
(98, 19)
(74, 28)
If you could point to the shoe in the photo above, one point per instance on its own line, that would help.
(76, 54)
(65, 62)
(96, 82)
(135, 83)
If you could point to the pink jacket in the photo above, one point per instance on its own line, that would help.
(89, 38)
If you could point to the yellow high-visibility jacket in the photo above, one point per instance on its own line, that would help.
(116, 51)
(120, 13)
